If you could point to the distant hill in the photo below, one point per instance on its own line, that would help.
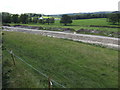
(100, 12)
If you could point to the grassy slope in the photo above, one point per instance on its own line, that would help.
(70, 63)
(20, 75)
(79, 24)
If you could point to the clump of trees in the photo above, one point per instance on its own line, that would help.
(114, 18)
(25, 18)
(15, 18)
(6, 17)
(66, 20)
(49, 20)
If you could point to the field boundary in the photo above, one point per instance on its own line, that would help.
(10, 52)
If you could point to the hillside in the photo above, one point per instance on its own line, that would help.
(72, 64)
(80, 13)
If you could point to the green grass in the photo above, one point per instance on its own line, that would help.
(70, 63)
(20, 75)
(96, 21)
(50, 17)
(81, 24)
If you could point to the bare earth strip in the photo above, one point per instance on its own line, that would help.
(109, 42)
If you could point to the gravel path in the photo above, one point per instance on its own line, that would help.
(93, 39)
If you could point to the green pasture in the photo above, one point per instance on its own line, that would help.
(72, 64)
(80, 24)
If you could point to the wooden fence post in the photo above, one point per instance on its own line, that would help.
(49, 83)
(13, 58)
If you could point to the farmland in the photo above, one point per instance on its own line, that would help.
(97, 26)
(80, 24)
(72, 64)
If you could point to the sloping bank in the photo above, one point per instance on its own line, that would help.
(93, 39)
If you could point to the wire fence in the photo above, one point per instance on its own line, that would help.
(51, 81)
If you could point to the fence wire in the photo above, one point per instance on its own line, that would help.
(35, 69)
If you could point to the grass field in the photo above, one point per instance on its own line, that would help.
(72, 64)
(81, 24)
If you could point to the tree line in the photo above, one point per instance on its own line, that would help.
(113, 18)
(88, 16)
(25, 18)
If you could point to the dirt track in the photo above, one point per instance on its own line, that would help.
(93, 39)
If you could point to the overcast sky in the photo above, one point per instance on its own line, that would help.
(57, 6)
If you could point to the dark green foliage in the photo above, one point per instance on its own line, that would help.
(24, 18)
(15, 18)
(6, 17)
(35, 20)
(88, 16)
(66, 20)
(29, 20)
(36, 15)
(40, 21)
(43, 21)
(33, 15)
(50, 20)
(114, 18)
(47, 20)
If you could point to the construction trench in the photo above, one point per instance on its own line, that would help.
(108, 42)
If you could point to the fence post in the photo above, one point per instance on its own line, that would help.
(13, 58)
(49, 83)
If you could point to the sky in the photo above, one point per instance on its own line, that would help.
(57, 6)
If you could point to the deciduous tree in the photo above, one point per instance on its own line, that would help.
(15, 18)
(66, 19)
(24, 18)
(6, 17)
(114, 18)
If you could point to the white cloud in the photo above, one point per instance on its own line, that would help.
(57, 6)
